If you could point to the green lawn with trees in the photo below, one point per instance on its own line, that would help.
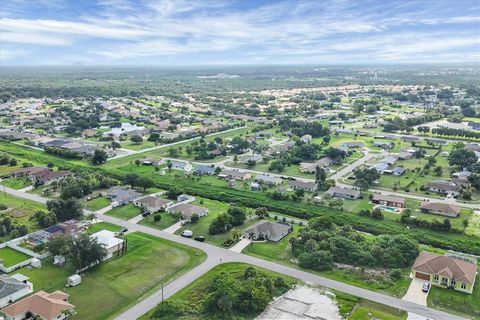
(125, 212)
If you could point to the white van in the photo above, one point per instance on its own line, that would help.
(187, 233)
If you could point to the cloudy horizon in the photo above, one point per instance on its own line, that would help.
(167, 32)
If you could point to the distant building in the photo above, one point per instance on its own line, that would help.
(266, 230)
(187, 210)
(338, 192)
(443, 187)
(302, 185)
(13, 288)
(389, 201)
(443, 209)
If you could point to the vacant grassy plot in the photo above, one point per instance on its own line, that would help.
(11, 257)
(97, 203)
(474, 225)
(455, 301)
(16, 183)
(120, 282)
(367, 310)
(20, 211)
(103, 225)
(125, 212)
(166, 221)
(138, 146)
(201, 227)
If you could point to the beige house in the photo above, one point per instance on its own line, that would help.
(445, 271)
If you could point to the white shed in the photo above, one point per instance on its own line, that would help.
(74, 280)
(35, 263)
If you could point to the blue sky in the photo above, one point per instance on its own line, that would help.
(178, 32)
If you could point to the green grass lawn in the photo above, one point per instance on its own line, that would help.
(11, 257)
(201, 227)
(455, 301)
(20, 211)
(97, 203)
(166, 221)
(473, 225)
(103, 225)
(367, 310)
(16, 183)
(190, 296)
(125, 212)
(120, 282)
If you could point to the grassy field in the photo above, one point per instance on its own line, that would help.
(166, 221)
(97, 203)
(16, 183)
(195, 291)
(120, 282)
(125, 212)
(11, 257)
(473, 227)
(103, 225)
(20, 210)
(367, 310)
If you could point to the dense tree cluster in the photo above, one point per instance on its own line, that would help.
(65, 209)
(300, 128)
(235, 216)
(323, 243)
(82, 184)
(398, 124)
(460, 133)
(227, 296)
(12, 229)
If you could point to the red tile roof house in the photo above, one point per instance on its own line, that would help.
(41, 175)
(446, 272)
(48, 306)
(389, 201)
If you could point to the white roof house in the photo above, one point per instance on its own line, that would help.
(110, 242)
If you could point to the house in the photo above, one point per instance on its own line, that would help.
(254, 186)
(381, 167)
(70, 227)
(388, 160)
(353, 144)
(338, 192)
(203, 170)
(311, 167)
(255, 158)
(48, 306)
(48, 176)
(398, 171)
(445, 271)
(409, 139)
(152, 162)
(302, 185)
(187, 210)
(266, 230)
(234, 174)
(274, 181)
(443, 187)
(462, 174)
(404, 155)
(442, 209)
(384, 145)
(152, 204)
(389, 201)
(436, 141)
(120, 196)
(306, 138)
(13, 288)
(109, 241)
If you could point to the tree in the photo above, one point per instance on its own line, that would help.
(320, 175)
(65, 209)
(438, 171)
(85, 251)
(13, 162)
(136, 139)
(236, 234)
(154, 137)
(362, 184)
(276, 165)
(58, 244)
(463, 158)
(157, 217)
(261, 212)
(99, 156)
(319, 260)
(145, 183)
(194, 218)
(377, 214)
(238, 215)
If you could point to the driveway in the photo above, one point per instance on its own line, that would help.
(173, 227)
(415, 293)
(242, 244)
(136, 219)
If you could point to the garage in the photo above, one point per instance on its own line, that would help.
(423, 276)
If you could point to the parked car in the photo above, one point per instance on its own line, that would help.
(146, 213)
(200, 238)
(426, 286)
(187, 233)
(183, 222)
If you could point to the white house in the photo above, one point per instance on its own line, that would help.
(13, 288)
(110, 242)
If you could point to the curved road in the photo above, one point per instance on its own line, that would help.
(217, 255)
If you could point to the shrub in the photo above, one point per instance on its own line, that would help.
(157, 217)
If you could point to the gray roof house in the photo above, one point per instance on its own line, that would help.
(443, 187)
(268, 179)
(121, 196)
(343, 193)
(303, 185)
(272, 231)
(152, 204)
(187, 210)
(13, 288)
(203, 170)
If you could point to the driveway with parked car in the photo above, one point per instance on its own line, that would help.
(416, 292)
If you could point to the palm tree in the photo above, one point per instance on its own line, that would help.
(236, 234)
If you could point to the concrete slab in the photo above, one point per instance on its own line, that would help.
(174, 227)
(242, 244)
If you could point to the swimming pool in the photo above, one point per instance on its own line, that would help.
(389, 209)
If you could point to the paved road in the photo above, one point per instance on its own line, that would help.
(217, 255)
(172, 144)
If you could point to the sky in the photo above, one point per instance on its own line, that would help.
(216, 32)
